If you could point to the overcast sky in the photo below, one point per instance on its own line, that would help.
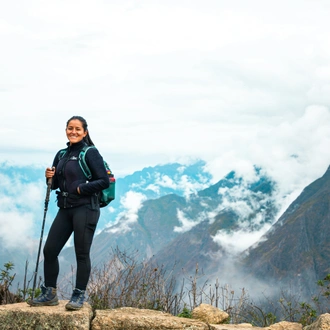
(234, 83)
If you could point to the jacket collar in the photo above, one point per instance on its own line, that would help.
(76, 146)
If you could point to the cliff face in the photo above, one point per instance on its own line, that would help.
(297, 247)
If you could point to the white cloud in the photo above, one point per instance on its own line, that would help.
(153, 187)
(16, 228)
(20, 205)
(238, 241)
(165, 181)
(294, 153)
(131, 203)
(186, 224)
(190, 187)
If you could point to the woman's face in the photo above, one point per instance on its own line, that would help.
(75, 131)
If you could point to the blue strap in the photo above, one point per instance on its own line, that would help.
(82, 162)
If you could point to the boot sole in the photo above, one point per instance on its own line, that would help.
(54, 303)
(71, 308)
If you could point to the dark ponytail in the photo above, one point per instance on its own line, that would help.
(83, 121)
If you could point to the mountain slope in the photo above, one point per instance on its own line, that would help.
(297, 248)
(199, 244)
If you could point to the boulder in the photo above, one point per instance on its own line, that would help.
(136, 319)
(247, 326)
(240, 326)
(209, 314)
(321, 323)
(22, 316)
(284, 325)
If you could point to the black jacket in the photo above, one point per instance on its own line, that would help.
(68, 176)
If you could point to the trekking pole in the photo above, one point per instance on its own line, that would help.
(49, 184)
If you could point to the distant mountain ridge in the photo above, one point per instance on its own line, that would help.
(158, 181)
(174, 229)
(151, 182)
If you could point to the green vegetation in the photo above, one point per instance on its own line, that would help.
(186, 312)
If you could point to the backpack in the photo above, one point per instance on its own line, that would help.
(107, 195)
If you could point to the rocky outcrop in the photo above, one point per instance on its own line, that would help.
(21, 316)
(137, 319)
(285, 326)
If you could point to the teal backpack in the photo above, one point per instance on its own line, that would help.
(108, 194)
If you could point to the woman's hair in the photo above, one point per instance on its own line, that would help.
(83, 121)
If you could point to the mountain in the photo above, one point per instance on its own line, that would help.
(176, 230)
(155, 182)
(198, 246)
(296, 249)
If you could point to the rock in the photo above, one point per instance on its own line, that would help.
(247, 326)
(321, 323)
(134, 318)
(209, 314)
(21, 316)
(284, 325)
(241, 326)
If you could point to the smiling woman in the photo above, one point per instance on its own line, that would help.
(75, 131)
(79, 212)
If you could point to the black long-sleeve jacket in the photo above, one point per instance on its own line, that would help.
(69, 176)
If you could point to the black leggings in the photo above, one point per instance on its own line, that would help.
(82, 221)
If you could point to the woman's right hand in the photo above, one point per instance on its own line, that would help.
(50, 171)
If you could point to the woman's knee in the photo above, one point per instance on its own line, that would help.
(49, 251)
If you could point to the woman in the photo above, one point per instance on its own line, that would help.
(79, 212)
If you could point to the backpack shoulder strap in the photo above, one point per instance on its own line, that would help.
(82, 162)
(61, 153)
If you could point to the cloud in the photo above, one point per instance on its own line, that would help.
(186, 224)
(16, 229)
(20, 206)
(293, 153)
(180, 182)
(153, 187)
(131, 203)
(176, 181)
(251, 210)
(237, 241)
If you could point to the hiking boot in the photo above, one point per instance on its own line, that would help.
(48, 297)
(76, 301)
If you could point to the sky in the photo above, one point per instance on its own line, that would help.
(235, 83)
